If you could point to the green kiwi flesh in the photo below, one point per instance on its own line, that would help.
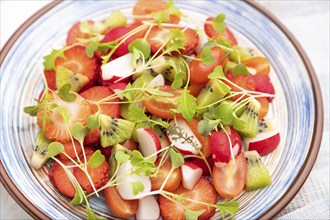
(112, 159)
(250, 116)
(229, 66)
(114, 130)
(257, 175)
(241, 54)
(39, 155)
(66, 76)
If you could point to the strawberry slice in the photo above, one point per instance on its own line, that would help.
(211, 32)
(98, 93)
(77, 61)
(75, 33)
(50, 76)
(99, 176)
(203, 192)
(118, 32)
(263, 84)
(70, 150)
(156, 39)
(55, 127)
(60, 179)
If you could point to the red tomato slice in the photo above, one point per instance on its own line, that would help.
(229, 181)
(211, 32)
(245, 81)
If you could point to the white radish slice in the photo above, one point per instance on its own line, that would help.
(264, 142)
(181, 144)
(191, 173)
(118, 68)
(159, 80)
(148, 209)
(125, 188)
(148, 141)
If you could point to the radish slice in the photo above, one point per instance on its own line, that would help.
(159, 80)
(191, 173)
(118, 68)
(148, 209)
(264, 142)
(148, 141)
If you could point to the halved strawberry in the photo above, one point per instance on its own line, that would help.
(263, 84)
(77, 61)
(50, 76)
(70, 150)
(118, 32)
(211, 32)
(60, 179)
(203, 192)
(98, 93)
(50, 119)
(156, 39)
(99, 176)
(245, 81)
(75, 33)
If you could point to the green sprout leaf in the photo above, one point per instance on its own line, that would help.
(206, 56)
(227, 207)
(49, 60)
(121, 157)
(78, 198)
(137, 114)
(79, 131)
(143, 165)
(186, 105)
(178, 80)
(175, 41)
(218, 23)
(91, 215)
(31, 110)
(85, 27)
(96, 159)
(225, 112)
(240, 69)
(217, 73)
(91, 48)
(65, 94)
(63, 112)
(192, 215)
(137, 187)
(93, 121)
(141, 45)
(54, 149)
(206, 125)
(176, 158)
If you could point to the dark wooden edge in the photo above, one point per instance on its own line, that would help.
(318, 123)
(279, 205)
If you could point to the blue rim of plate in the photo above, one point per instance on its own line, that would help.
(282, 201)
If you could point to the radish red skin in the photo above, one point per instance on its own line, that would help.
(201, 163)
(266, 146)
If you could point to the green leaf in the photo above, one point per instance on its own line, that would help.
(206, 56)
(176, 158)
(175, 41)
(192, 215)
(54, 149)
(143, 165)
(217, 73)
(78, 198)
(161, 17)
(178, 80)
(65, 94)
(96, 159)
(93, 121)
(85, 27)
(79, 131)
(136, 56)
(49, 60)
(137, 114)
(121, 157)
(137, 187)
(31, 110)
(227, 207)
(240, 69)
(63, 112)
(141, 45)
(91, 48)
(218, 23)
(91, 215)
(186, 105)
(205, 126)
(225, 112)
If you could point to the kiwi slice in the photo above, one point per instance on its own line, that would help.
(241, 53)
(213, 91)
(257, 175)
(266, 125)
(169, 66)
(66, 76)
(250, 116)
(142, 82)
(112, 159)
(229, 66)
(114, 130)
(39, 155)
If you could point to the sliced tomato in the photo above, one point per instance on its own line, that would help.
(195, 89)
(172, 183)
(161, 108)
(244, 81)
(260, 64)
(130, 144)
(50, 76)
(229, 180)
(120, 208)
(75, 33)
(264, 105)
(199, 72)
(263, 84)
(205, 141)
(211, 32)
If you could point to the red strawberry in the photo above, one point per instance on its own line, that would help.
(203, 192)
(55, 127)
(118, 32)
(70, 150)
(77, 61)
(263, 84)
(75, 33)
(97, 93)
(211, 32)
(60, 180)
(99, 176)
(156, 39)
(50, 76)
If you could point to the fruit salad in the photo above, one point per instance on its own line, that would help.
(167, 117)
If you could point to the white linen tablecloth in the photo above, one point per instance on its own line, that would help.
(309, 22)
